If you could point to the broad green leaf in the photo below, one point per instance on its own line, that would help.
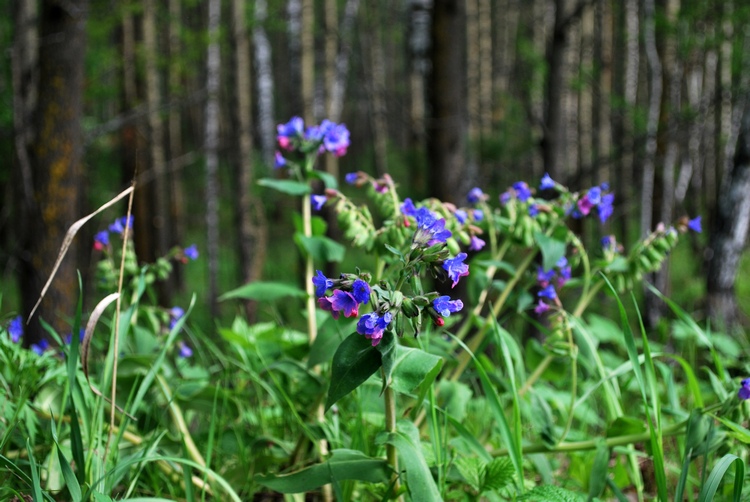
(321, 248)
(419, 480)
(343, 464)
(414, 369)
(453, 397)
(264, 291)
(70, 479)
(289, 187)
(497, 474)
(325, 344)
(353, 363)
(552, 250)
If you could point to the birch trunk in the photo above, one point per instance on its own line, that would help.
(307, 60)
(177, 195)
(485, 67)
(472, 68)
(652, 124)
(376, 91)
(264, 85)
(211, 146)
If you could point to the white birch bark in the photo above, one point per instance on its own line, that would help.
(264, 84)
(211, 146)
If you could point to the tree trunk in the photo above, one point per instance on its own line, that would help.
(264, 86)
(56, 160)
(729, 231)
(376, 90)
(485, 67)
(553, 145)
(446, 129)
(472, 69)
(211, 145)
(307, 60)
(419, 44)
(250, 250)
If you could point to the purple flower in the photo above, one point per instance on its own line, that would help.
(547, 182)
(175, 314)
(461, 216)
(744, 392)
(584, 205)
(533, 210)
(562, 262)
(184, 349)
(695, 224)
(279, 160)
(522, 190)
(478, 215)
(607, 241)
(475, 195)
(456, 268)
(505, 198)
(39, 348)
(544, 277)
(444, 305)
(595, 195)
(373, 326)
(318, 201)
(336, 140)
(69, 337)
(408, 208)
(541, 308)
(342, 301)
(563, 277)
(120, 224)
(326, 303)
(101, 240)
(547, 292)
(476, 243)
(351, 178)
(15, 329)
(191, 252)
(322, 283)
(361, 291)
(430, 229)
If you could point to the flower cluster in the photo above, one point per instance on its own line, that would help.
(295, 137)
(548, 282)
(744, 392)
(596, 197)
(349, 292)
(15, 329)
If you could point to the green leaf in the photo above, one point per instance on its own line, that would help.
(343, 464)
(414, 369)
(353, 363)
(328, 179)
(552, 250)
(599, 470)
(321, 248)
(717, 474)
(70, 479)
(264, 291)
(498, 264)
(290, 187)
(550, 493)
(395, 251)
(419, 479)
(497, 474)
(736, 430)
(325, 345)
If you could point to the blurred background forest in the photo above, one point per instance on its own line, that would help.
(650, 96)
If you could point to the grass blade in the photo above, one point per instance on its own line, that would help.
(717, 474)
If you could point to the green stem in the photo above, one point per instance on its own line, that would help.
(390, 427)
(591, 444)
(476, 342)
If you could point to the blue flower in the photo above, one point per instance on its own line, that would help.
(184, 349)
(373, 326)
(595, 195)
(318, 201)
(39, 348)
(547, 182)
(444, 306)
(118, 227)
(541, 308)
(351, 178)
(461, 216)
(279, 160)
(361, 291)
(547, 292)
(475, 195)
(175, 314)
(456, 268)
(605, 207)
(544, 277)
(533, 210)
(522, 190)
(322, 283)
(286, 132)
(744, 392)
(336, 139)
(430, 229)
(15, 329)
(478, 215)
(101, 240)
(191, 252)
(695, 224)
(408, 208)
(69, 337)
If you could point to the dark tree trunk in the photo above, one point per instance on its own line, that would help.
(446, 129)
(211, 145)
(729, 231)
(56, 161)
